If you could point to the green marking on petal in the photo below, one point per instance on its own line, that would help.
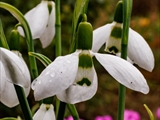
(85, 61)
(113, 48)
(116, 32)
(84, 81)
(49, 8)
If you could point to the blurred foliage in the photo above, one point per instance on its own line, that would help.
(145, 20)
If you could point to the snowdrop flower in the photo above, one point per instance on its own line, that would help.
(41, 20)
(110, 34)
(12, 70)
(73, 77)
(131, 115)
(106, 117)
(45, 112)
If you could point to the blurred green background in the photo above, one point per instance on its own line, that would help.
(145, 20)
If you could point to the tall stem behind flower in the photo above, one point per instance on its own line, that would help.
(127, 8)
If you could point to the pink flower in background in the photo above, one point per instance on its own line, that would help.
(158, 113)
(106, 117)
(70, 118)
(131, 115)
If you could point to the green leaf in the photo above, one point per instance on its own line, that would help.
(42, 58)
(3, 41)
(149, 112)
(80, 8)
(11, 118)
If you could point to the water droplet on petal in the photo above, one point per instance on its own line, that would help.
(47, 72)
(68, 61)
(39, 82)
(53, 74)
(50, 80)
(34, 84)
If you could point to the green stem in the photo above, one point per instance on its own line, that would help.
(73, 111)
(61, 112)
(58, 28)
(59, 115)
(19, 16)
(127, 8)
(23, 102)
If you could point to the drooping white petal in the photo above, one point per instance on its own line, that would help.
(39, 115)
(15, 69)
(128, 59)
(37, 19)
(58, 76)
(100, 36)
(124, 72)
(139, 51)
(8, 95)
(50, 115)
(48, 35)
(76, 93)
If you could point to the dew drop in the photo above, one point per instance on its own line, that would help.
(53, 74)
(33, 84)
(39, 82)
(68, 61)
(47, 72)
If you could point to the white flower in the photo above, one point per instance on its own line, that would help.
(73, 78)
(138, 49)
(45, 112)
(41, 20)
(12, 70)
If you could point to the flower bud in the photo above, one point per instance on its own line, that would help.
(14, 40)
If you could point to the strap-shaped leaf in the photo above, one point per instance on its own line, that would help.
(42, 58)
(3, 41)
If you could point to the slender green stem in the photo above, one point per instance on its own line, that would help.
(61, 112)
(58, 28)
(23, 102)
(19, 16)
(73, 111)
(127, 8)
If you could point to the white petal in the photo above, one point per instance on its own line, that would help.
(50, 115)
(124, 72)
(8, 96)
(100, 36)
(2, 77)
(39, 115)
(58, 76)
(15, 69)
(76, 93)
(37, 19)
(139, 51)
(48, 35)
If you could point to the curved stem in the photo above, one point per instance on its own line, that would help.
(127, 8)
(19, 16)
